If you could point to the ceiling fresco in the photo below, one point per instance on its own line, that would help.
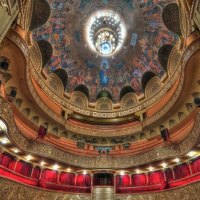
(145, 35)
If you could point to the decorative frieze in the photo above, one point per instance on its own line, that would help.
(104, 162)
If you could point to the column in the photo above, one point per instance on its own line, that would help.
(15, 164)
(33, 167)
(40, 176)
(147, 177)
(91, 179)
(115, 181)
(130, 180)
(165, 178)
(75, 178)
(189, 165)
(58, 177)
(173, 173)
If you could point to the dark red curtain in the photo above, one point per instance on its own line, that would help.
(103, 179)
(122, 181)
(156, 177)
(139, 180)
(67, 178)
(36, 173)
(169, 175)
(23, 168)
(195, 166)
(83, 180)
(42, 131)
(181, 171)
(50, 176)
(7, 161)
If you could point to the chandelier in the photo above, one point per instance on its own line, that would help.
(105, 32)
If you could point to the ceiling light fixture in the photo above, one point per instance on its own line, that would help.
(105, 32)
(164, 165)
(192, 153)
(3, 126)
(4, 140)
(55, 167)
(69, 169)
(42, 163)
(151, 168)
(29, 157)
(122, 173)
(177, 160)
(15, 150)
(138, 171)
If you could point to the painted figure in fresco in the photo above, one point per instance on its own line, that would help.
(112, 78)
(104, 79)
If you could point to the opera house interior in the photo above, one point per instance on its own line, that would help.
(99, 100)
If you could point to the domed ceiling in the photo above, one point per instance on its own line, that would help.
(105, 44)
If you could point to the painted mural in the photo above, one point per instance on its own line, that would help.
(139, 54)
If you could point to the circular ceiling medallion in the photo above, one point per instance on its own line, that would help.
(105, 32)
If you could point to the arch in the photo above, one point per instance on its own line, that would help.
(153, 133)
(126, 90)
(79, 99)
(11, 92)
(170, 17)
(18, 102)
(54, 131)
(197, 101)
(163, 55)
(45, 125)
(56, 84)
(147, 76)
(143, 136)
(4, 63)
(82, 88)
(35, 119)
(104, 93)
(64, 134)
(133, 138)
(26, 112)
(181, 115)
(40, 14)
(189, 107)
(162, 127)
(172, 123)
(46, 50)
(62, 74)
